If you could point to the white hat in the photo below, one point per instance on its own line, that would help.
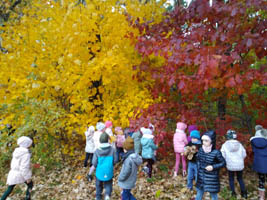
(24, 141)
(100, 126)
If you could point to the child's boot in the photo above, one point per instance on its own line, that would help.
(107, 197)
(174, 174)
(244, 194)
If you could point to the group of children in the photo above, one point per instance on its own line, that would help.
(204, 160)
(104, 149)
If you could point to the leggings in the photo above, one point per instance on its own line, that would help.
(262, 181)
(11, 187)
(150, 163)
(177, 163)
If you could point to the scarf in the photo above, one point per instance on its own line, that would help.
(207, 149)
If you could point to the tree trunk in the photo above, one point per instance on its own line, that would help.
(221, 105)
(247, 118)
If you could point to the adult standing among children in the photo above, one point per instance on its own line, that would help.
(259, 148)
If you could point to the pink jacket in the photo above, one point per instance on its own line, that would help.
(120, 140)
(179, 141)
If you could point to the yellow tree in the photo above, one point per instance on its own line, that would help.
(75, 60)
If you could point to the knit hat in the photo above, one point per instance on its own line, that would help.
(108, 124)
(260, 131)
(24, 141)
(192, 128)
(181, 126)
(146, 131)
(100, 126)
(104, 137)
(195, 134)
(128, 144)
(231, 134)
(258, 127)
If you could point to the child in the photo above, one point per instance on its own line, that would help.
(234, 155)
(20, 168)
(209, 161)
(103, 161)
(137, 142)
(128, 174)
(148, 149)
(191, 150)
(119, 142)
(179, 142)
(259, 148)
(100, 127)
(90, 146)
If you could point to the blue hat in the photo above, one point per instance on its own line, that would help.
(195, 134)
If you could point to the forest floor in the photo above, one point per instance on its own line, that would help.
(69, 182)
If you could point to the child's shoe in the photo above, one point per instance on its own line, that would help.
(107, 197)
(174, 174)
(184, 172)
(145, 170)
(244, 194)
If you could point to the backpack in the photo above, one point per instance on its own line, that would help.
(104, 169)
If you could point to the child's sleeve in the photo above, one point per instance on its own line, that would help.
(223, 151)
(244, 153)
(154, 147)
(116, 159)
(94, 161)
(25, 167)
(221, 161)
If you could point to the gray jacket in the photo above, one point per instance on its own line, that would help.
(128, 174)
(137, 142)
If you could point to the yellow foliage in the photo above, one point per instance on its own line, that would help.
(57, 51)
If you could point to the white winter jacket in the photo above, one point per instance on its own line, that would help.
(20, 167)
(234, 155)
(90, 145)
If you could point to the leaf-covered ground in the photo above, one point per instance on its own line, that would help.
(69, 182)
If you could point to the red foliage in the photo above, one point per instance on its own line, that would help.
(206, 48)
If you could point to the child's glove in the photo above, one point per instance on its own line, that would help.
(89, 177)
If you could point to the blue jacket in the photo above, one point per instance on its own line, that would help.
(259, 148)
(103, 160)
(148, 146)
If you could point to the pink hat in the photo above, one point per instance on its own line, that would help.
(181, 126)
(108, 124)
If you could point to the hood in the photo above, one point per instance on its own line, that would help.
(105, 149)
(212, 136)
(137, 160)
(24, 141)
(259, 142)
(232, 145)
(20, 151)
(125, 155)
